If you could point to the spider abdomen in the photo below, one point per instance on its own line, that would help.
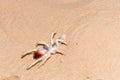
(38, 54)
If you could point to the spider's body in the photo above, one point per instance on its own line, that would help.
(47, 50)
(38, 54)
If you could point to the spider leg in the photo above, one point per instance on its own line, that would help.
(62, 42)
(47, 57)
(37, 61)
(52, 36)
(34, 63)
(42, 44)
(59, 52)
(28, 53)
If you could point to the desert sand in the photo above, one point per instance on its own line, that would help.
(92, 29)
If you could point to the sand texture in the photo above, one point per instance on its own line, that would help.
(92, 29)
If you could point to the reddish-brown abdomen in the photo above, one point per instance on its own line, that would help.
(38, 54)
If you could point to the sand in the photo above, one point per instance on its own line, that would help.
(12, 77)
(92, 28)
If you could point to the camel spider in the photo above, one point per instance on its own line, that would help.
(42, 55)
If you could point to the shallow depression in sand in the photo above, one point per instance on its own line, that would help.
(67, 4)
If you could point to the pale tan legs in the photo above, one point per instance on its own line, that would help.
(59, 52)
(43, 59)
(34, 63)
(52, 36)
(42, 44)
(28, 53)
(32, 51)
(62, 41)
